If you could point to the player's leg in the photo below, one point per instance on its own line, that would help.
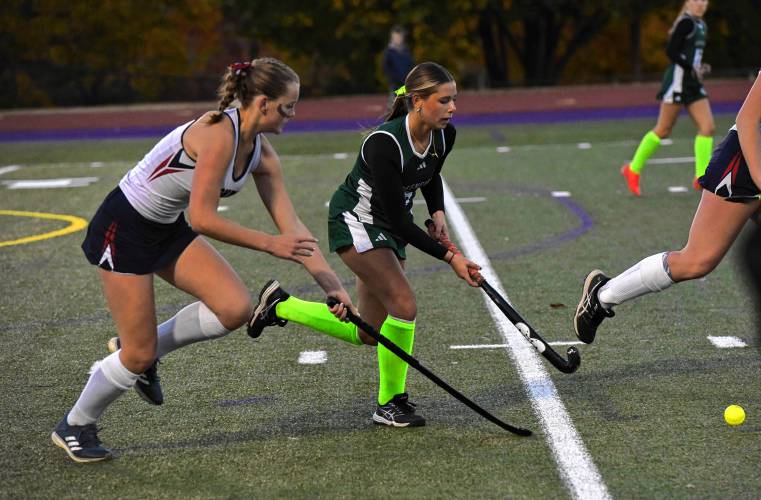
(381, 272)
(130, 299)
(224, 301)
(667, 116)
(714, 228)
(700, 112)
(277, 307)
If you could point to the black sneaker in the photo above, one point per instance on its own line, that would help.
(80, 442)
(148, 385)
(264, 314)
(399, 412)
(589, 312)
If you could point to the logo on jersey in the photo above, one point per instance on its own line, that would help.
(179, 162)
(381, 237)
(109, 246)
(729, 175)
(421, 166)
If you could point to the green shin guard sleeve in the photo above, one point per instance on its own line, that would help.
(392, 370)
(703, 148)
(645, 150)
(318, 317)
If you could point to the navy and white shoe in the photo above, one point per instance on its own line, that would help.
(264, 313)
(80, 442)
(399, 412)
(148, 385)
(590, 312)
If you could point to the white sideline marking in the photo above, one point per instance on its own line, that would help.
(9, 168)
(340, 156)
(561, 194)
(313, 357)
(503, 149)
(576, 468)
(726, 342)
(666, 161)
(677, 189)
(50, 183)
(223, 208)
(667, 142)
(500, 346)
(584, 145)
(479, 346)
(97, 164)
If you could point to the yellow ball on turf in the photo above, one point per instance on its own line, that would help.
(734, 415)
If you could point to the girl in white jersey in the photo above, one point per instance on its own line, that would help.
(730, 197)
(139, 231)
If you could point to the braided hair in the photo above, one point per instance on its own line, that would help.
(245, 80)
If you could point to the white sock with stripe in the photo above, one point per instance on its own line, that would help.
(648, 275)
(109, 379)
(191, 324)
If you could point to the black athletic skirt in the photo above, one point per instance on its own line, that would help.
(727, 174)
(119, 239)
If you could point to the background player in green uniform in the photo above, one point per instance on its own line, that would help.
(682, 86)
(371, 222)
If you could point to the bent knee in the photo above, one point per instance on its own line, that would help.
(137, 359)
(694, 269)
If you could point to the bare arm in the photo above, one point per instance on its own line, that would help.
(748, 122)
(212, 146)
(271, 186)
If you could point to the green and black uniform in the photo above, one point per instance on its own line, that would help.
(373, 206)
(685, 50)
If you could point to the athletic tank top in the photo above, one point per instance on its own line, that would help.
(159, 186)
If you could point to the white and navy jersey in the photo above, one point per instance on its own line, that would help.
(159, 186)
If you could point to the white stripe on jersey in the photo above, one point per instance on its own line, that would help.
(159, 186)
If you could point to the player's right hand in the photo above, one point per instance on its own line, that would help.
(292, 246)
(462, 267)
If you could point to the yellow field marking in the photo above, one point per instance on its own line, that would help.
(75, 224)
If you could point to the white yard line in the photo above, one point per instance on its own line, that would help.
(50, 183)
(9, 168)
(727, 342)
(313, 357)
(575, 465)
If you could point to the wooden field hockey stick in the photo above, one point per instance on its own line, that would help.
(566, 366)
(410, 360)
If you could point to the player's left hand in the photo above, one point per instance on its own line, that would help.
(438, 230)
(344, 302)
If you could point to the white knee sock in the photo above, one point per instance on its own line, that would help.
(109, 378)
(191, 324)
(648, 275)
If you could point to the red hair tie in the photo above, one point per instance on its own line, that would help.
(239, 66)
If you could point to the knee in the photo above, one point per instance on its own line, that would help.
(662, 131)
(404, 307)
(235, 312)
(693, 268)
(138, 358)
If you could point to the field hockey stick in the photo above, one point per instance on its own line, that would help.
(410, 360)
(566, 366)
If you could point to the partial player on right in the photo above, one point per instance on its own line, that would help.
(730, 197)
(682, 86)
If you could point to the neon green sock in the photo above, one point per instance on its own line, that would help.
(703, 148)
(317, 316)
(393, 371)
(645, 150)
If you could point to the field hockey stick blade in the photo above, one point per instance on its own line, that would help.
(566, 366)
(410, 360)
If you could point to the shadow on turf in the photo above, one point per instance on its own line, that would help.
(440, 411)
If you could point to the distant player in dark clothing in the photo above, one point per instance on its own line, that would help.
(397, 61)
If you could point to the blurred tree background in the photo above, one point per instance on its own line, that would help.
(83, 52)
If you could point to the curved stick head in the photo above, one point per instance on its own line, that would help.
(574, 360)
